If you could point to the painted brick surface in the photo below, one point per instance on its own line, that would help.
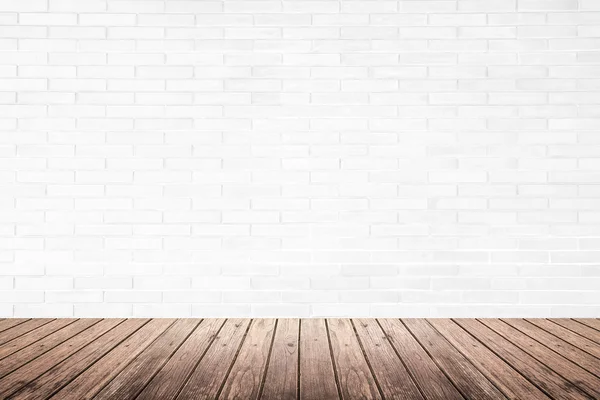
(299, 158)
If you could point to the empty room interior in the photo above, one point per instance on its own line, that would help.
(299, 199)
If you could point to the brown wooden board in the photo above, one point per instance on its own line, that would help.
(31, 370)
(567, 350)
(354, 375)
(567, 369)
(134, 377)
(432, 382)
(40, 347)
(247, 374)
(21, 329)
(86, 385)
(507, 379)
(471, 383)
(281, 380)
(10, 322)
(317, 377)
(591, 322)
(171, 378)
(209, 376)
(579, 328)
(541, 375)
(393, 377)
(31, 337)
(568, 336)
(61, 374)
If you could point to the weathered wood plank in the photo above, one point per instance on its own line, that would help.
(10, 322)
(579, 357)
(171, 378)
(421, 366)
(247, 374)
(567, 335)
(542, 376)
(86, 385)
(355, 378)
(579, 328)
(281, 381)
(132, 379)
(317, 378)
(508, 380)
(31, 337)
(207, 379)
(472, 383)
(591, 322)
(393, 377)
(31, 370)
(61, 374)
(18, 358)
(21, 329)
(572, 372)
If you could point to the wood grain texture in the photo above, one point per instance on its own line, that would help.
(40, 347)
(171, 378)
(208, 377)
(354, 376)
(10, 322)
(579, 328)
(507, 379)
(281, 380)
(93, 379)
(471, 383)
(61, 374)
(317, 378)
(541, 375)
(21, 329)
(393, 377)
(412, 359)
(565, 349)
(568, 336)
(566, 368)
(591, 322)
(247, 374)
(422, 367)
(31, 370)
(33, 336)
(133, 378)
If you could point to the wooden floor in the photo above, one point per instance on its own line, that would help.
(307, 359)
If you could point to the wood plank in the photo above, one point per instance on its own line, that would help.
(542, 376)
(317, 377)
(31, 337)
(568, 336)
(92, 380)
(134, 377)
(579, 328)
(429, 378)
(467, 379)
(21, 329)
(40, 347)
(507, 379)
(246, 376)
(171, 378)
(281, 381)
(208, 377)
(61, 374)
(566, 368)
(354, 375)
(10, 322)
(591, 322)
(393, 377)
(28, 372)
(577, 356)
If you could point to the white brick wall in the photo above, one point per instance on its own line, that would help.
(299, 158)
